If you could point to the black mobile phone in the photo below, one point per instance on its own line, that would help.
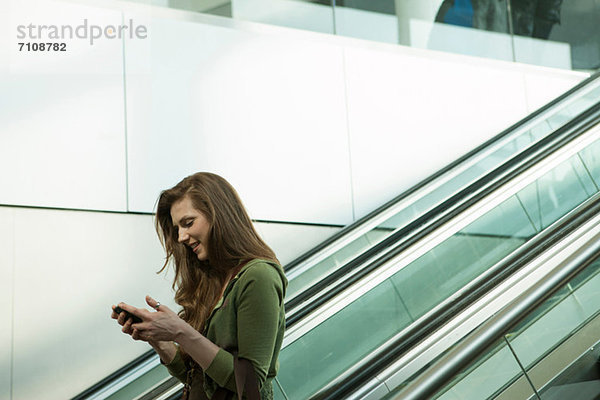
(136, 319)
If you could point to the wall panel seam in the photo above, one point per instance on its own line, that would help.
(347, 108)
(12, 304)
(123, 60)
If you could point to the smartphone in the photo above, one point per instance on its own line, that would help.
(136, 319)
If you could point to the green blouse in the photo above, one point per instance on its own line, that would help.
(249, 318)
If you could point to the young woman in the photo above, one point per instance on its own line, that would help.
(230, 287)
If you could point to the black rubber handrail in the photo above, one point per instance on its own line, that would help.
(433, 219)
(416, 332)
(349, 228)
(115, 375)
(484, 336)
(422, 328)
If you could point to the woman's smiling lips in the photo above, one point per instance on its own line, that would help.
(195, 247)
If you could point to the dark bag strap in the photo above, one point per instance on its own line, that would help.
(245, 381)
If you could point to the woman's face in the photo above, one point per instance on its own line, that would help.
(192, 227)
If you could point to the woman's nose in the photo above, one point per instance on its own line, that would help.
(183, 236)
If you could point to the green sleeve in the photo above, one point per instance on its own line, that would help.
(177, 367)
(259, 303)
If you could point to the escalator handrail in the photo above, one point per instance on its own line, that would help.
(409, 337)
(144, 358)
(449, 365)
(337, 236)
(439, 215)
(413, 336)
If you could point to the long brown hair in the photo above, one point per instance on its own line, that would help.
(231, 240)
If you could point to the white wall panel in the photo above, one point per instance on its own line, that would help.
(70, 267)
(62, 114)
(289, 241)
(6, 299)
(411, 115)
(266, 112)
(544, 86)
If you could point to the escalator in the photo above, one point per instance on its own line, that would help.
(543, 344)
(345, 274)
(321, 275)
(416, 295)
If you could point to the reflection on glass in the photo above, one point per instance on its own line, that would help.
(312, 15)
(323, 353)
(580, 377)
(535, 18)
(483, 378)
(546, 328)
(214, 7)
(308, 277)
(471, 27)
(455, 12)
(142, 384)
(326, 351)
(543, 32)
(557, 192)
(367, 19)
(578, 30)
(557, 317)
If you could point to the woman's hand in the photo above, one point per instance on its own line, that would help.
(123, 319)
(165, 349)
(161, 325)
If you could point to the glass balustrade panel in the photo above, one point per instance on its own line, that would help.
(344, 339)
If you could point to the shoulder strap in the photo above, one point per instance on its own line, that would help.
(245, 381)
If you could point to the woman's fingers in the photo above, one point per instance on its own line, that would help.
(130, 309)
(137, 335)
(141, 330)
(138, 312)
(127, 326)
(122, 320)
(141, 326)
(151, 302)
(120, 317)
